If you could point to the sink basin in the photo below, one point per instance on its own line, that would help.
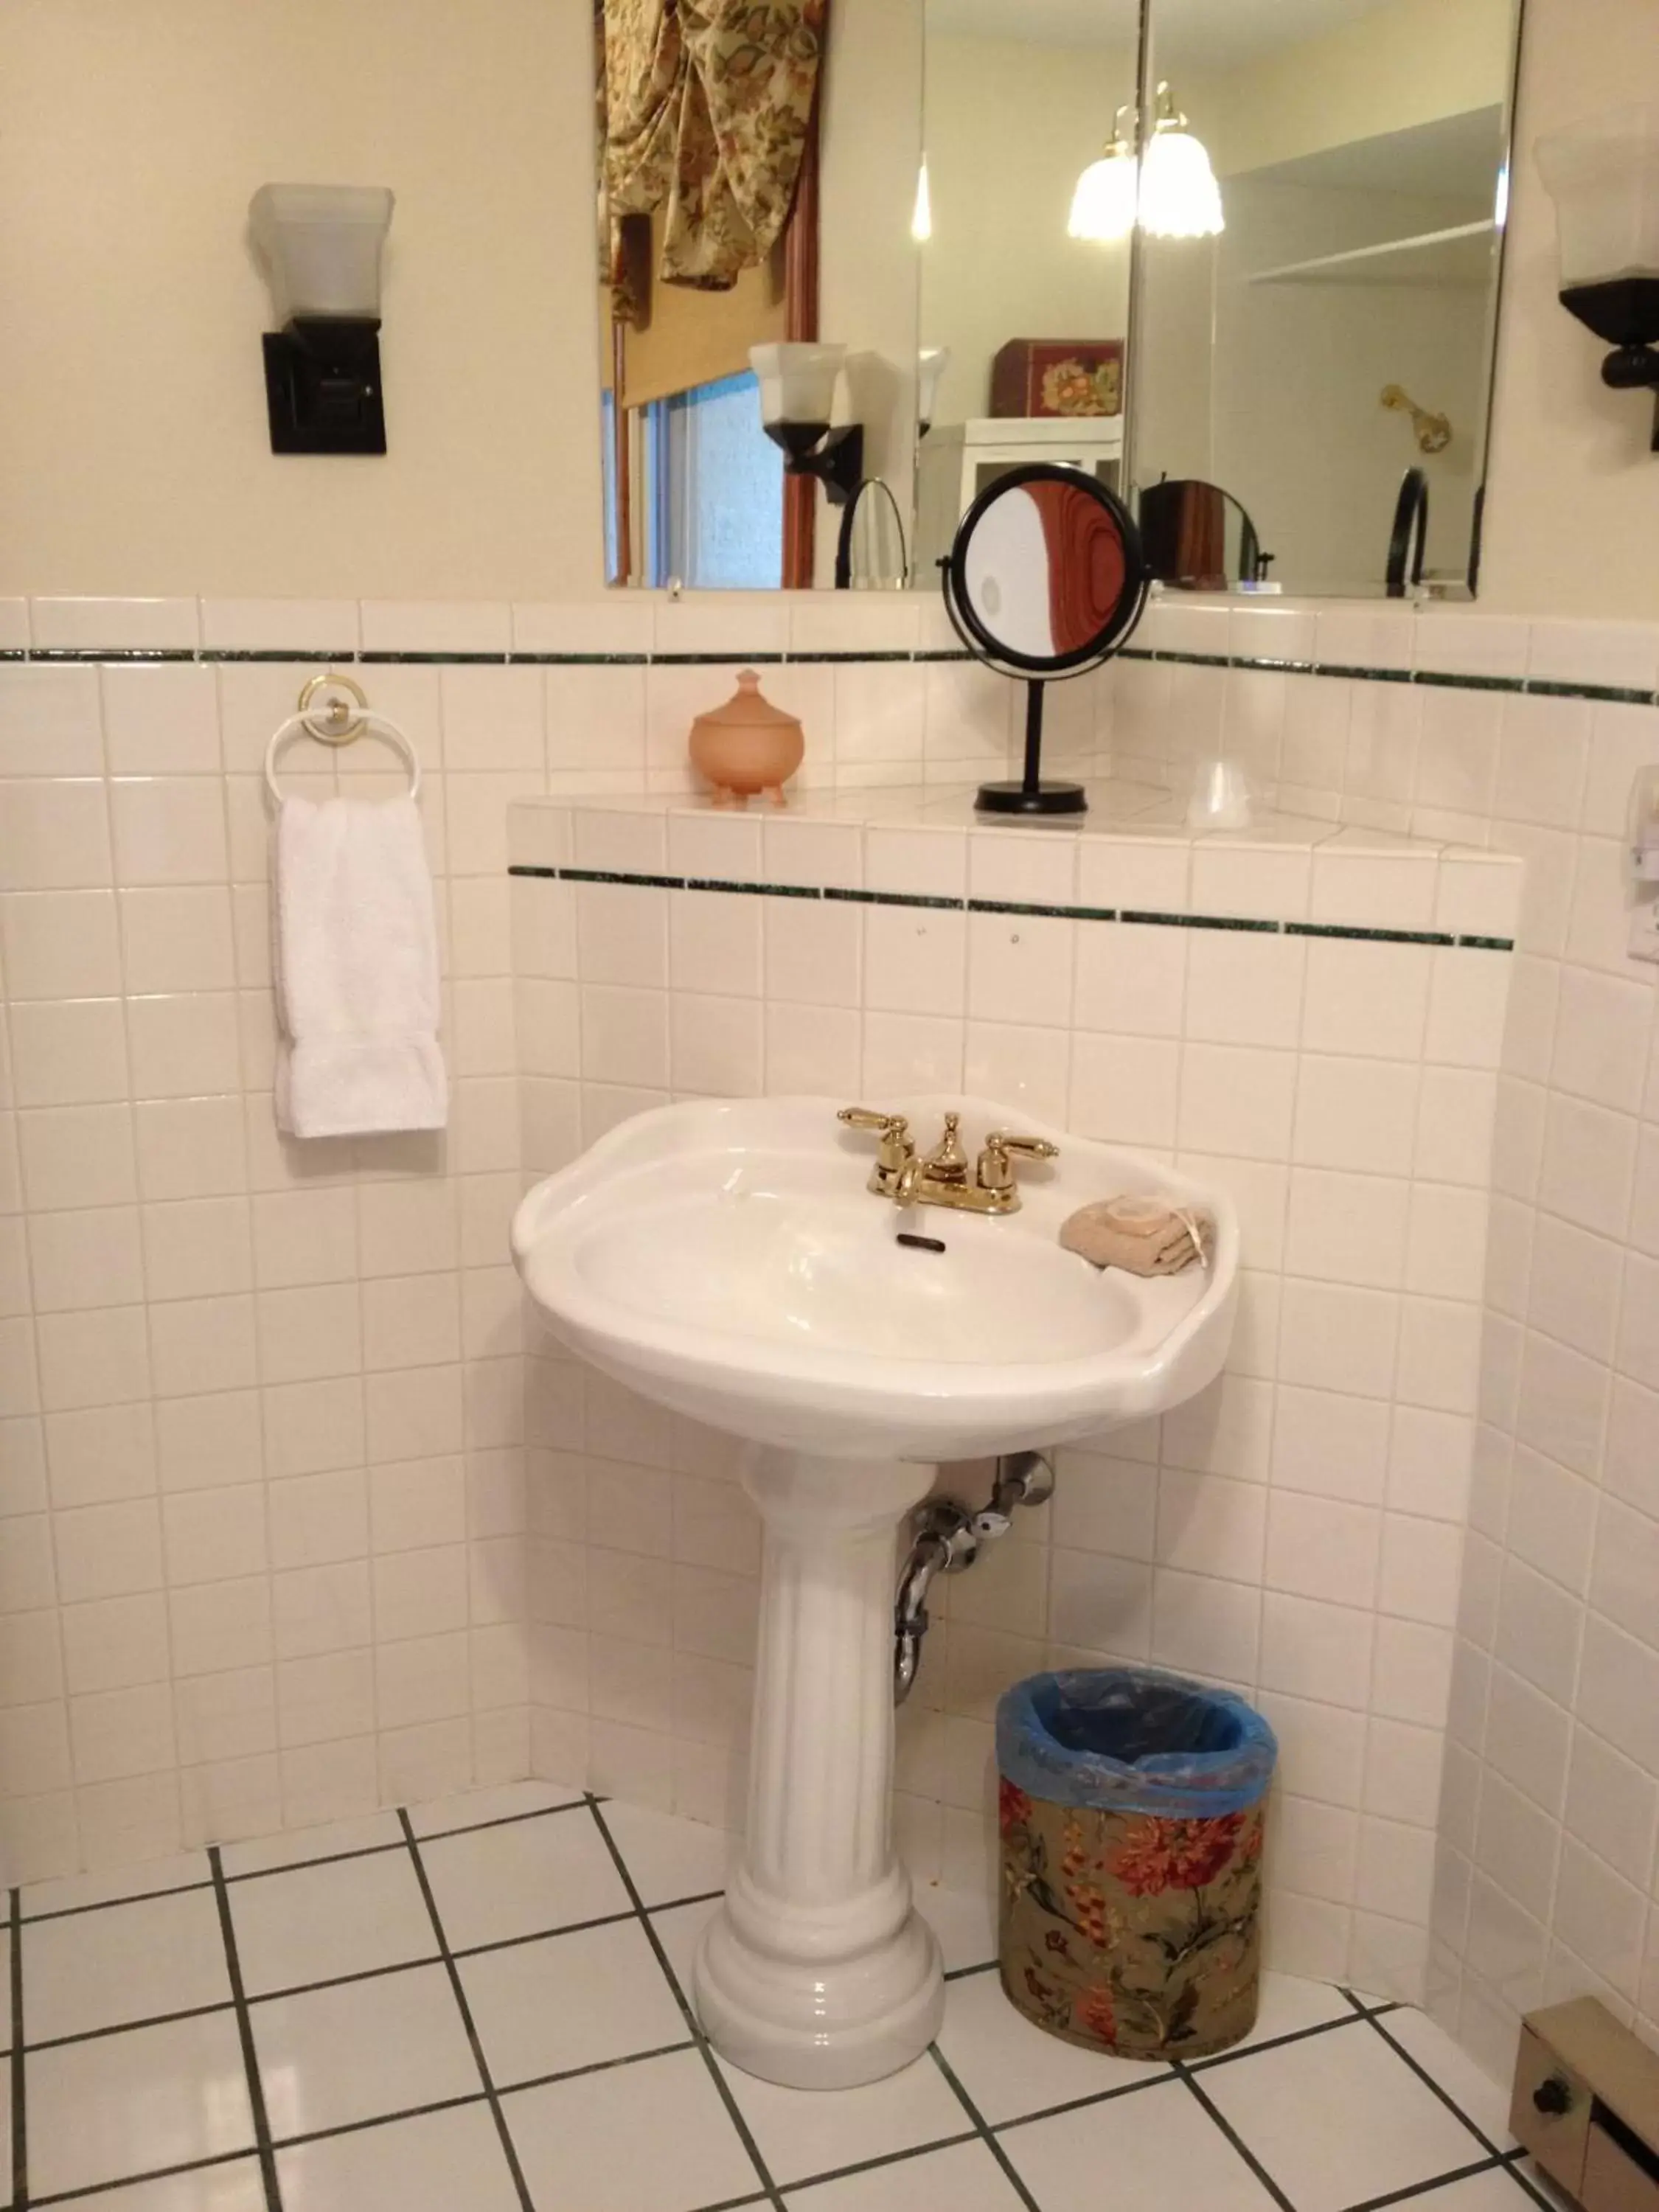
(726, 1259)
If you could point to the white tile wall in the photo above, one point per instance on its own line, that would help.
(262, 1459)
(192, 1317)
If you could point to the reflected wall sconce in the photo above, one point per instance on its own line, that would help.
(932, 362)
(1603, 176)
(798, 398)
(320, 245)
(1172, 193)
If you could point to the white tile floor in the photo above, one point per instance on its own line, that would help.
(480, 2006)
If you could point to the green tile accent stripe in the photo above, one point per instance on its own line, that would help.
(897, 898)
(1139, 916)
(1437, 679)
(1611, 694)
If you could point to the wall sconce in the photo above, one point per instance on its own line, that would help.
(797, 397)
(1603, 176)
(321, 247)
(932, 362)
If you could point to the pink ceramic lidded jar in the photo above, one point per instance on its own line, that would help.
(747, 746)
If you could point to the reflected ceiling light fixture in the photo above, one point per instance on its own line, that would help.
(1179, 195)
(1104, 204)
(1174, 194)
(921, 219)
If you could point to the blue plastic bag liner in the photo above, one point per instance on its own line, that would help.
(1131, 1740)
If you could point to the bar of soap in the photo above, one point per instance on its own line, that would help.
(1141, 1235)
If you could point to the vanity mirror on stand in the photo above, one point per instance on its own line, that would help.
(1045, 581)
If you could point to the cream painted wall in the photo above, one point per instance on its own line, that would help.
(133, 448)
(1392, 68)
(1010, 124)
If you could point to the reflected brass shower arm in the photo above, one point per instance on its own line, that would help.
(1433, 432)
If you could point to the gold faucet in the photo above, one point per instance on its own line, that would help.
(941, 1179)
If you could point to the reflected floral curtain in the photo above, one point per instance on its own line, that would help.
(704, 110)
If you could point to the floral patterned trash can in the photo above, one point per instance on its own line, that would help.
(1131, 1806)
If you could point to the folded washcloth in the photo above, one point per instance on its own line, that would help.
(356, 957)
(1142, 1235)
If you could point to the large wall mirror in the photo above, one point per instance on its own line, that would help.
(1312, 376)
(1236, 259)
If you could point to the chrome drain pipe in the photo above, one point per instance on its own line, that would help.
(945, 1539)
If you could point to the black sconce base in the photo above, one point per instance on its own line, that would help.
(835, 457)
(323, 386)
(1625, 312)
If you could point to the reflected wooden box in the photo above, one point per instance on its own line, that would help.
(1058, 376)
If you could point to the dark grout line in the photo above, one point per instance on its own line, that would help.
(109, 1904)
(462, 2103)
(19, 2111)
(134, 2026)
(723, 2087)
(1429, 2082)
(1011, 2173)
(1164, 2072)
(885, 2159)
(1511, 2162)
(598, 2066)
(1420, 2192)
(300, 1866)
(966, 1973)
(1271, 2043)
(499, 1821)
(95, 2189)
(1208, 2103)
(245, 2033)
(508, 2148)
(366, 1973)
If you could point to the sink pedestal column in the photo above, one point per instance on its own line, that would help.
(818, 1971)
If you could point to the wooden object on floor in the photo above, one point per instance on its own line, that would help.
(1586, 2106)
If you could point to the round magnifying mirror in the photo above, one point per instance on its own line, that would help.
(1045, 579)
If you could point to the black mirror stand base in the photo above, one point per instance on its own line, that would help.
(1030, 795)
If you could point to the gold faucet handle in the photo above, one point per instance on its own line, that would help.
(895, 1151)
(869, 1117)
(996, 1166)
(1029, 1148)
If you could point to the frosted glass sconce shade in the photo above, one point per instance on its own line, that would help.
(1104, 204)
(1179, 195)
(1603, 176)
(321, 247)
(796, 383)
(930, 364)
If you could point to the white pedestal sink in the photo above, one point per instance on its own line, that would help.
(726, 1259)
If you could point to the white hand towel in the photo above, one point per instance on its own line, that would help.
(356, 970)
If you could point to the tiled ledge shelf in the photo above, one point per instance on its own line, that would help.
(1136, 864)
